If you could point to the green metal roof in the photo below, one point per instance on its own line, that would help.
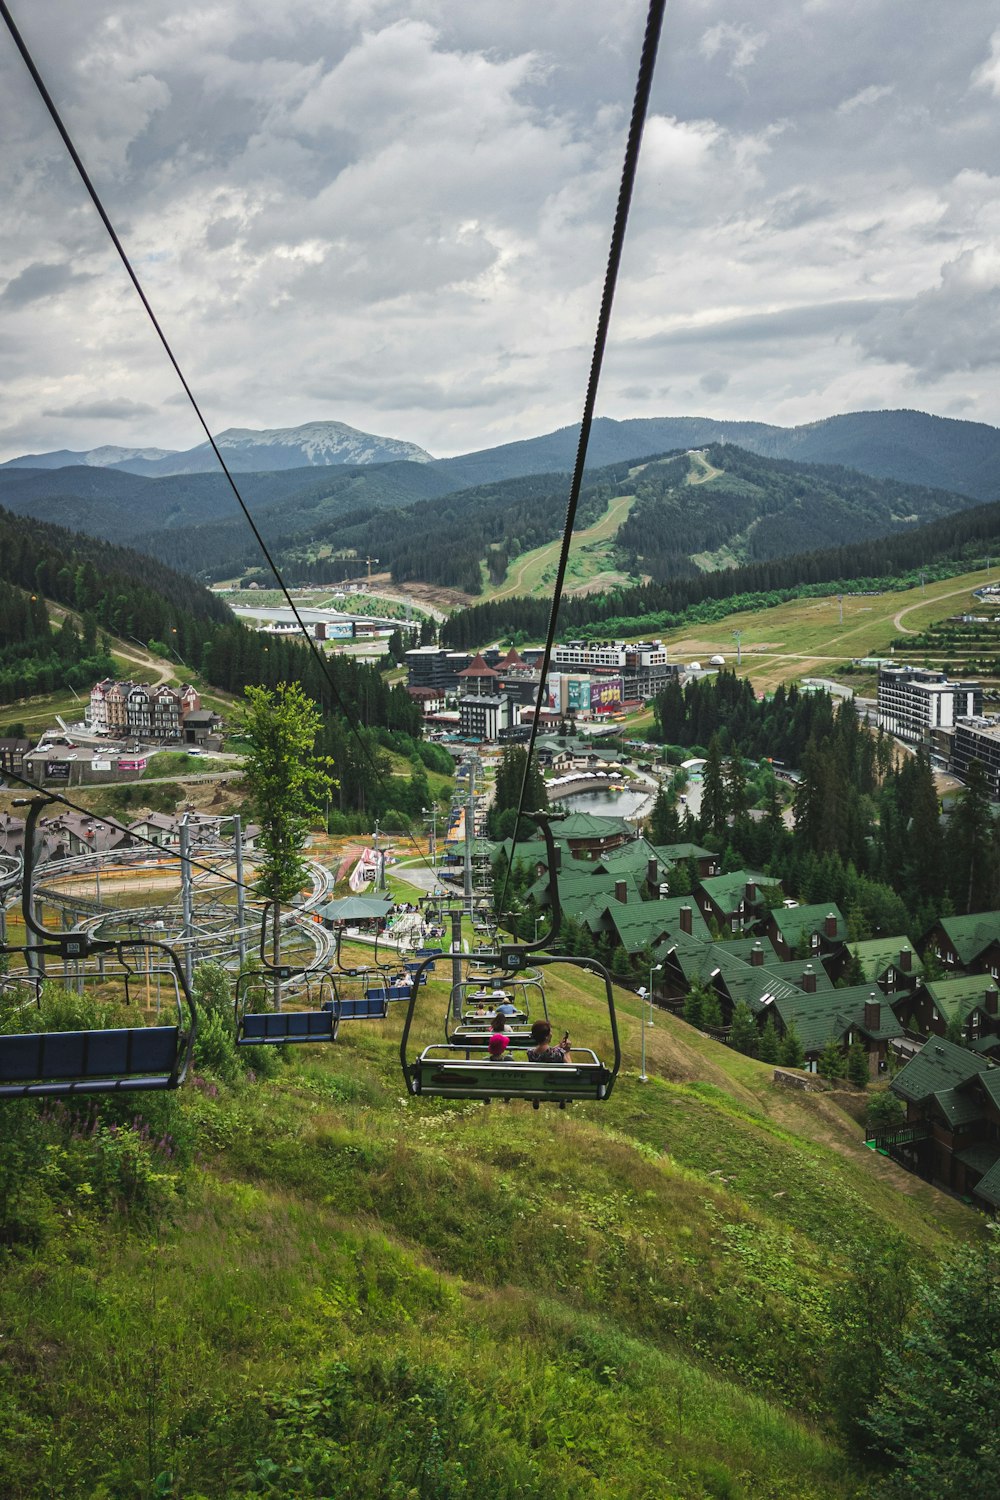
(938, 1065)
(970, 935)
(879, 954)
(727, 891)
(581, 825)
(988, 1186)
(956, 999)
(797, 922)
(991, 1083)
(958, 1106)
(672, 853)
(833, 1013)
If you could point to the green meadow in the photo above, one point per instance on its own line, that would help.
(299, 1280)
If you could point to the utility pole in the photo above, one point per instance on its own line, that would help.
(738, 638)
(185, 852)
(240, 888)
(840, 601)
(456, 960)
(470, 818)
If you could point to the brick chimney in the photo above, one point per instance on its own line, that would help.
(830, 925)
(809, 980)
(906, 960)
(685, 919)
(652, 874)
(621, 891)
(990, 1000)
(750, 893)
(873, 1012)
(757, 955)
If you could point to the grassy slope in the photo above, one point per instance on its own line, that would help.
(590, 565)
(806, 637)
(627, 1299)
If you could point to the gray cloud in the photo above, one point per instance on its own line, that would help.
(404, 209)
(109, 410)
(38, 281)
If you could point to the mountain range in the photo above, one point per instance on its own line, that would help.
(912, 446)
(859, 475)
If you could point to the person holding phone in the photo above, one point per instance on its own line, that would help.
(542, 1049)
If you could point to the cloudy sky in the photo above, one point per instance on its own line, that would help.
(397, 216)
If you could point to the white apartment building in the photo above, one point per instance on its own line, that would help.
(913, 702)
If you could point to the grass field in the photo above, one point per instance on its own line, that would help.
(324, 1286)
(806, 637)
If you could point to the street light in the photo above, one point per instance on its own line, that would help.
(647, 994)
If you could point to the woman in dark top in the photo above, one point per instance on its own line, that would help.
(541, 1049)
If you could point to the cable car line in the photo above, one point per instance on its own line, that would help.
(644, 81)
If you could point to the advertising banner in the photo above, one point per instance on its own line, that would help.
(578, 694)
(553, 696)
(339, 630)
(138, 763)
(605, 694)
(101, 765)
(57, 770)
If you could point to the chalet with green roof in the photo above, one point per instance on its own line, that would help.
(971, 943)
(588, 836)
(890, 962)
(795, 931)
(952, 1131)
(705, 862)
(969, 1003)
(860, 1011)
(734, 901)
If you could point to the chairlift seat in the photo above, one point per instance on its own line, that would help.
(260, 1028)
(370, 1007)
(48, 1063)
(437, 1071)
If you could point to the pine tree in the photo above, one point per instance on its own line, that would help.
(857, 1064)
(694, 1005)
(743, 1030)
(713, 790)
(832, 1063)
(767, 1048)
(711, 1011)
(791, 1053)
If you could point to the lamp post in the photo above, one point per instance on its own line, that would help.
(647, 995)
(431, 812)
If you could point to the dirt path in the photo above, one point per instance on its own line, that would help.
(897, 618)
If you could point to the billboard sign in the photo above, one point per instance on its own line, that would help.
(137, 763)
(340, 630)
(605, 694)
(101, 765)
(578, 693)
(553, 697)
(57, 770)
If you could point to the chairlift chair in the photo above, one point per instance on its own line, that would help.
(104, 1060)
(449, 1070)
(316, 1021)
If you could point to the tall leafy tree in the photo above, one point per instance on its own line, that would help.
(287, 783)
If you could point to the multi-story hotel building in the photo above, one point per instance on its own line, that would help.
(913, 702)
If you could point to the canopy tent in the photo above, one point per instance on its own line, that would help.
(356, 909)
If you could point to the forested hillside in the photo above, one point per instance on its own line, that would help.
(113, 591)
(129, 507)
(942, 546)
(752, 509)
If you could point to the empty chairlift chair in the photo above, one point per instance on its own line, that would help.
(119, 1059)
